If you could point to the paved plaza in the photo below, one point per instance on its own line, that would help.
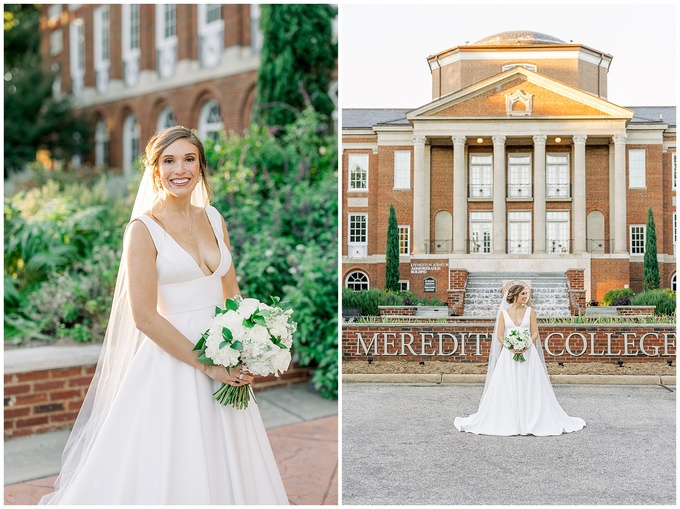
(399, 446)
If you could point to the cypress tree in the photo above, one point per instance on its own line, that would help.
(650, 270)
(296, 62)
(392, 253)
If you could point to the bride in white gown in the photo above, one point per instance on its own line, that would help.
(149, 431)
(518, 398)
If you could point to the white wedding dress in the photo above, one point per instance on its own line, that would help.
(165, 439)
(519, 398)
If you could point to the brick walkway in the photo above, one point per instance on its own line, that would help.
(307, 455)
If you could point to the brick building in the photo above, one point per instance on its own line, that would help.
(138, 68)
(518, 164)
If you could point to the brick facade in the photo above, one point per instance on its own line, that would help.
(473, 103)
(231, 82)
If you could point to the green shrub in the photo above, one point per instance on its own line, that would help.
(370, 300)
(663, 299)
(613, 295)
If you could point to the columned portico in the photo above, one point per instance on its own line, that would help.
(579, 204)
(539, 193)
(619, 198)
(460, 194)
(421, 219)
(499, 206)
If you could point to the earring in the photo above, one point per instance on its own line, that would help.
(200, 178)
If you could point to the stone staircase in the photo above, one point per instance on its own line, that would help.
(549, 293)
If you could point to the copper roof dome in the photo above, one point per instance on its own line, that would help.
(518, 38)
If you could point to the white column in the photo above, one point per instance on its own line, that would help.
(579, 199)
(499, 219)
(539, 193)
(420, 232)
(619, 219)
(459, 195)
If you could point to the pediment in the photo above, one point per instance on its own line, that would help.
(520, 93)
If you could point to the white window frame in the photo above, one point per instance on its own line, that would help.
(674, 282)
(166, 39)
(210, 35)
(77, 56)
(637, 178)
(208, 126)
(357, 184)
(360, 273)
(357, 241)
(674, 170)
(166, 118)
(557, 176)
(404, 232)
(637, 246)
(519, 176)
(481, 176)
(102, 47)
(402, 169)
(675, 232)
(131, 50)
(255, 31)
(56, 41)
(519, 240)
(404, 285)
(557, 232)
(54, 12)
(481, 223)
(101, 146)
(131, 147)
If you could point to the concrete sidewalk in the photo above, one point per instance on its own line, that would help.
(399, 446)
(302, 429)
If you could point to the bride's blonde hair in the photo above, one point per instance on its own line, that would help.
(162, 140)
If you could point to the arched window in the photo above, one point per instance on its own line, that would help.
(210, 121)
(357, 280)
(166, 119)
(101, 147)
(131, 135)
(674, 284)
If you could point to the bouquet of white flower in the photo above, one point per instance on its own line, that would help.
(518, 339)
(250, 333)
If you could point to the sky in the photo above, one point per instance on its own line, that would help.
(384, 47)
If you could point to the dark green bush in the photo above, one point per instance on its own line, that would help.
(663, 300)
(370, 300)
(613, 295)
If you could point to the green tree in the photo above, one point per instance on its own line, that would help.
(297, 61)
(392, 253)
(38, 120)
(650, 269)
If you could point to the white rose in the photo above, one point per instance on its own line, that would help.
(282, 360)
(248, 307)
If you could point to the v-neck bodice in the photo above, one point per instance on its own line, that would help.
(182, 285)
(524, 324)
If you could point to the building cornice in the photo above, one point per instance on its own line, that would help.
(543, 52)
(235, 60)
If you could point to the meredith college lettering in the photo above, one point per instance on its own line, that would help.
(464, 343)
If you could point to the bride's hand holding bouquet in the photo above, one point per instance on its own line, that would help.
(248, 336)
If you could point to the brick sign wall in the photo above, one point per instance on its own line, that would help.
(462, 342)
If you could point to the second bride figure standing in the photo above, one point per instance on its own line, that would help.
(518, 398)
